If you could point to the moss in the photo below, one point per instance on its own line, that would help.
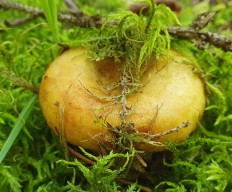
(134, 39)
(202, 163)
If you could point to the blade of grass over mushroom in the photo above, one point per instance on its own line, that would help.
(17, 127)
(50, 11)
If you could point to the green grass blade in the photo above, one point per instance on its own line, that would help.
(50, 10)
(17, 127)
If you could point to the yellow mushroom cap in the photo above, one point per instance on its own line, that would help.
(74, 99)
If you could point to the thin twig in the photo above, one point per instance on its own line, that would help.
(19, 22)
(141, 187)
(80, 156)
(82, 20)
(176, 129)
(215, 39)
(106, 99)
(6, 5)
(202, 20)
(17, 80)
(123, 101)
(72, 6)
(150, 137)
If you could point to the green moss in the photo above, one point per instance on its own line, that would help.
(202, 163)
(134, 39)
